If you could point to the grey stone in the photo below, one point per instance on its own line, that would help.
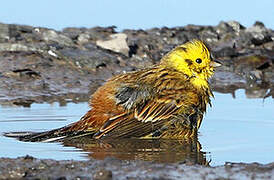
(236, 26)
(116, 43)
(260, 34)
(223, 27)
(4, 32)
(52, 36)
(16, 47)
(83, 38)
(256, 29)
(209, 35)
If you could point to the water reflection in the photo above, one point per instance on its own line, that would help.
(185, 151)
(252, 91)
(238, 129)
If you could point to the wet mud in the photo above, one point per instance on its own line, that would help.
(110, 168)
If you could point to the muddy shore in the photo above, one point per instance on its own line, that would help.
(43, 65)
(32, 168)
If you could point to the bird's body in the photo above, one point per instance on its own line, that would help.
(167, 100)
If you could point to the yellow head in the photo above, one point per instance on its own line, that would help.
(193, 59)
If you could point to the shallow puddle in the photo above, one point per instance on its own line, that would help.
(234, 130)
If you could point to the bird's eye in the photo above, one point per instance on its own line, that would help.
(199, 61)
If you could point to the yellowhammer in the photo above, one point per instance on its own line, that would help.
(167, 100)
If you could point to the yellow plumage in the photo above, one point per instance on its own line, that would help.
(191, 51)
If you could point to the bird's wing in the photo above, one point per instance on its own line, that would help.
(144, 112)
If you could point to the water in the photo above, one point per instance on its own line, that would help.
(239, 130)
(234, 130)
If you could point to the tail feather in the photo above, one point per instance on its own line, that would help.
(54, 135)
(71, 131)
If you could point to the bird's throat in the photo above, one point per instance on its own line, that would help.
(199, 82)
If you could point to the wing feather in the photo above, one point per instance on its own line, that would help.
(147, 108)
(140, 121)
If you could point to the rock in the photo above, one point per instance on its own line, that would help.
(223, 27)
(52, 36)
(209, 35)
(98, 33)
(231, 32)
(188, 35)
(117, 43)
(229, 27)
(259, 33)
(102, 175)
(270, 45)
(92, 58)
(23, 73)
(256, 29)
(236, 26)
(226, 52)
(73, 33)
(40, 64)
(20, 28)
(20, 33)
(83, 38)
(4, 32)
(16, 47)
(259, 23)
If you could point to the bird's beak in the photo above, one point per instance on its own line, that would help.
(215, 63)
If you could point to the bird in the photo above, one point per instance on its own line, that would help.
(167, 100)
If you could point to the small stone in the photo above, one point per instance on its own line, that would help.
(37, 30)
(259, 23)
(82, 178)
(236, 26)
(223, 28)
(117, 43)
(28, 157)
(53, 36)
(83, 38)
(22, 73)
(52, 53)
(269, 45)
(102, 175)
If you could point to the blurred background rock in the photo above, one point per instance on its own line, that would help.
(67, 49)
